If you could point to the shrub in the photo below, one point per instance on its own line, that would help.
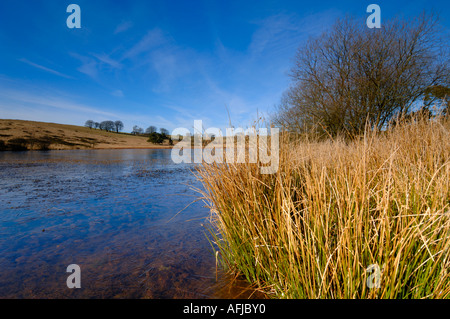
(156, 138)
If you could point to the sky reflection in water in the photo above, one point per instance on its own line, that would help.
(112, 212)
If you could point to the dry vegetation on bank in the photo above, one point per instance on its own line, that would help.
(336, 207)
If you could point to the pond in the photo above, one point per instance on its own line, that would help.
(130, 219)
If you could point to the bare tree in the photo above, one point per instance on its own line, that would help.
(352, 74)
(107, 126)
(118, 125)
(110, 126)
(137, 130)
(150, 130)
(89, 123)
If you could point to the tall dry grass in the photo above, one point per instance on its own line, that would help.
(333, 209)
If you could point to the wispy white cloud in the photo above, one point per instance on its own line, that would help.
(45, 68)
(283, 33)
(94, 65)
(159, 60)
(90, 69)
(60, 107)
(150, 40)
(118, 93)
(168, 67)
(124, 26)
(27, 98)
(104, 58)
(89, 65)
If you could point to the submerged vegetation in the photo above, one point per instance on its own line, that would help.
(337, 207)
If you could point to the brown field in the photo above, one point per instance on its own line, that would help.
(22, 135)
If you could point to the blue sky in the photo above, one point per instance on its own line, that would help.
(162, 63)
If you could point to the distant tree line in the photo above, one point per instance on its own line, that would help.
(153, 135)
(108, 126)
(117, 126)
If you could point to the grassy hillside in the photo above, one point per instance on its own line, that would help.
(30, 135)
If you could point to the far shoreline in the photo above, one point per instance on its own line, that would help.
(91, 149)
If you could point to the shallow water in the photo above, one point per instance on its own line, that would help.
(128, 218)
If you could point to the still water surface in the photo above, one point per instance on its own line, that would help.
(128, 218)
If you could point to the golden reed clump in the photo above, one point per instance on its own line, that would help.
(334, 209)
